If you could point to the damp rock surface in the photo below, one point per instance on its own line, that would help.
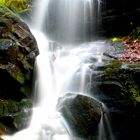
(82, 113)
(18, 50)
(117, 86)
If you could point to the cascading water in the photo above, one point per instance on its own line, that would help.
(57, 66)
(69, 21)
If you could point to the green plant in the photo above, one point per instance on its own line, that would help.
(17, 5)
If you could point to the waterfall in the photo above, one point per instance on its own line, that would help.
(68, 21)
(65, 21)
(40, 11)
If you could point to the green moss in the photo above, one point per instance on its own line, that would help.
(138, 98)
(8, 12)
(16, 73)
(20, 120)
(134, 92)
(123, 73)
(130, 88)
(12, 106)
(135, 65)
(9, 106)
(25, 89)
(20, 78)
(7, 17)
(26, 64)
(26, 103)
(17, 5)
(114, 64)
(111, 71)
(13, 29)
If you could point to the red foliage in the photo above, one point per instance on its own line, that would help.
(132, 54)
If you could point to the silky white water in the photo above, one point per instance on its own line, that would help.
(40, 11)
(68, 21)
(60, 68)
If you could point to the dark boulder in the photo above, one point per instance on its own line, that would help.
(14, 115)
(18, 49)
(118, 87)
(82, 113)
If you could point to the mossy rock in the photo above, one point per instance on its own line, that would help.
(22, 119)
(17, 114)
(18, 50)
(123, 73)
(10, 106)
(17, 5)
(7, 11)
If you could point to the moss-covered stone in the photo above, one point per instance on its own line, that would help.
(17, 5)
(16, 73)
(21, 120)
(8, 107)
(123, 73)
(114, 65)
(7, 11)
(18, 50)
(15, 115)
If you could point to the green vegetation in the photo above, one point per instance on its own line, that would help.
(17, 5)
(116, 39)
(20, 78)
(114, 64)
(16, 73)
(5, 18)
(130, 87)
(8, 106)
(11, 106)
(123, 73)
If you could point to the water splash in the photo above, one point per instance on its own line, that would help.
(105, 129)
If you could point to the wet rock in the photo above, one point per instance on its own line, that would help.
(118, 87)
(15, 115)
(18, 49)
(118, 80)
(115, 50)
(82, 113)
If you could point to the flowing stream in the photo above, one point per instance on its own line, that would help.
(59, 63)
